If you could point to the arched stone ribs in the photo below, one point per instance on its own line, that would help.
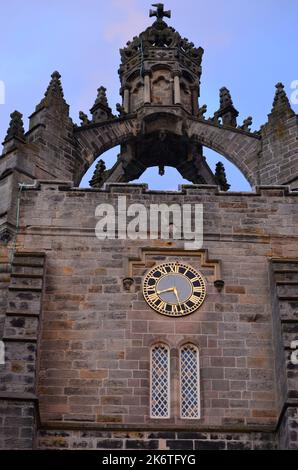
(239, 147)
(94, 140)
(83, 162)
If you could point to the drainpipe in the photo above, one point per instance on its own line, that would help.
(14, 243)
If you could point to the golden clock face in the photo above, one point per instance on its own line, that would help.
(174, 289)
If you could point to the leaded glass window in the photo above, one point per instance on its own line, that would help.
(160, 381)
(189, 382)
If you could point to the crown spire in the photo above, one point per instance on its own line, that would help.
(100, 110)
(98, 176)
(281, 102)
(16, 127)
(221, 178)
(54, 94)
(101, 97)
(55, 86)
(227, 111)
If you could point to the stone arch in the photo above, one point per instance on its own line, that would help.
(95, 139)
(239, 147)
(187, 76)
(160, 66)
(135, 74)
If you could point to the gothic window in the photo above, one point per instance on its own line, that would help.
(189, 382)
(160, 381)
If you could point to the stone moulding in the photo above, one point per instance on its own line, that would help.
(142, 188)
(140, 260)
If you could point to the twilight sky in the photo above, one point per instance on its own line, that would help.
(250, 45)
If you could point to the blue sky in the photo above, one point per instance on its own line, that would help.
(250, 45)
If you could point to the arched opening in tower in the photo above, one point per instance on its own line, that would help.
(216, 170)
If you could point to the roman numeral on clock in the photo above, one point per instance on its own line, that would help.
(193, 299)
(164, 270)
(152, 297)
(198, 290)
(175, 268)
(175, 309)
(162, 305)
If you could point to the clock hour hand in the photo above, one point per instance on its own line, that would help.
(170, 289)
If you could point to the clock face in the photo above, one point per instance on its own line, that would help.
(174, 289)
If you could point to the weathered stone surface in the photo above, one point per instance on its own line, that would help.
(156, 441)
(100, 354)
(77, 336)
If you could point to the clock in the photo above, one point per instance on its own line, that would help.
(174, 289)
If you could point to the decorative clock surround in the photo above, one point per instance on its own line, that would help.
(174, 289)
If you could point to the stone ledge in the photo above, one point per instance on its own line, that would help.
(287, 283)
(80, 426)
(142, 188)
(284, 260)
(38, 254)
(16, 313)
(288, 321)
(18, 339)
(28, 276)
(13, 396)
(25, 288)
(287, 297)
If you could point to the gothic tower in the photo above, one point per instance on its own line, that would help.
(119, 332)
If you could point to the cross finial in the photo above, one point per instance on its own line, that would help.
(160, 13)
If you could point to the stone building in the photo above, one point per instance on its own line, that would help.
(89, 362)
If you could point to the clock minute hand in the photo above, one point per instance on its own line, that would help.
(177, 296)
(170, 289)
